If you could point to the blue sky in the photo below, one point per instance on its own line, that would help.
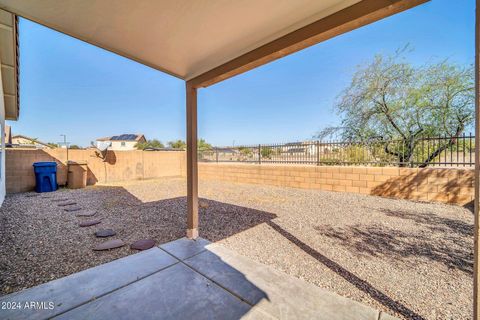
(70, 87)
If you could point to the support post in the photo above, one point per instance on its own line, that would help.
(192, 164)
(476, 267)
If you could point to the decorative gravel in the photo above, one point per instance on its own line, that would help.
(410, 259)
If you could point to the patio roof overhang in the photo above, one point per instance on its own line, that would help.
(204, 41)
(9, 63)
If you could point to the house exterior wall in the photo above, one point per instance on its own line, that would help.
(117, 145)
(24, 141)
(2, 143)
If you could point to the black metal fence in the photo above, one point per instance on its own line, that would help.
(445, 151)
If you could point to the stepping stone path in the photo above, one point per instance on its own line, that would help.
(111, 244)
(64, 204)
(89, 223)
(72, 209)
(143, 244)
(60, 199)
(86, 213)
(105, 233)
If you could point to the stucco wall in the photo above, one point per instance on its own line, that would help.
(119, 166)
(442, 185)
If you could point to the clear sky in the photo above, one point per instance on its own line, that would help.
(70, 87)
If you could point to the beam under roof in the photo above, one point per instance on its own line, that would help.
(350, 18)
(9, 63)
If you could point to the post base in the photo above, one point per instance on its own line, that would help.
(192, 233)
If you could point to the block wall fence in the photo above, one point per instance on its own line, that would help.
(447, 185)
(119, 166)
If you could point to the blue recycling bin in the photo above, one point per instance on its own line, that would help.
(45, 176)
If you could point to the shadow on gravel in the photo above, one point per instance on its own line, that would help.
(432, 221)
(162, 220)
(440, 239)
(26, 218)
(349, 276)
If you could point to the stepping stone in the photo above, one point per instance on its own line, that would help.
(72, 209)
(89, 223)
(143, 244)
(111, 244)
(64, 204)
(85, 213)
(60, 199)
(105, 233)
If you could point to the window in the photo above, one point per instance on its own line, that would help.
(123, 144)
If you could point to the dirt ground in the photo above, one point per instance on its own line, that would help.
(410, 259)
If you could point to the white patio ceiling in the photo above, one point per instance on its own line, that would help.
(184, 38)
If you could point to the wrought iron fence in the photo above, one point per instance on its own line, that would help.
(446, 151)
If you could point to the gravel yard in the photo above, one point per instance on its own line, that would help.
(410, 259)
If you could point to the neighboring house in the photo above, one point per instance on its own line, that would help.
(20, 141)
(124, 141)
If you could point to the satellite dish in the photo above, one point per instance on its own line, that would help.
(102, 147)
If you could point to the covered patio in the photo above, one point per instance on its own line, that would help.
(184, 279)
(201, 43)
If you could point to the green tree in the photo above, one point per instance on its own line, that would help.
(390, 99)
(149, 144)
(266, 152)
(202, 145)
(53, 145)
(74, 146)
(178, 144)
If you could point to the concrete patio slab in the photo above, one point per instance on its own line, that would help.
(177, 292)
(74, 290)
(184, 248)
(274, 292)
(206, 281)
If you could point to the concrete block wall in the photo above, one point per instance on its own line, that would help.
(447, 185)
(119, 166)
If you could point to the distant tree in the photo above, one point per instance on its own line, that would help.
(266, 152)
(390, 99)
(53, 145)
(178, 144)
(149, 144)
(74, 146)
(202, 145)
(245, 151)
